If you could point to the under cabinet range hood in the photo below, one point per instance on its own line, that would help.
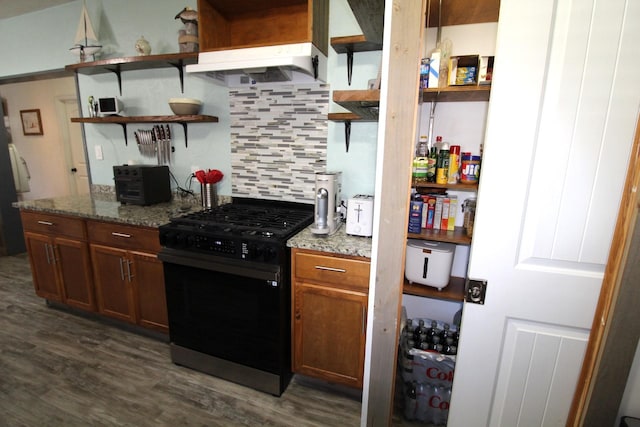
(292, 63)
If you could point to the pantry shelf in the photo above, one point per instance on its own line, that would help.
(457, 94)
(123, 121)
(454, 187)
(457, 236)
(453, 292)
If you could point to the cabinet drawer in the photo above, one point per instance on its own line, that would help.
(53, 224)
(124, 236)
(346, 272)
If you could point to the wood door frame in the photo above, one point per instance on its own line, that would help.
(605, 372)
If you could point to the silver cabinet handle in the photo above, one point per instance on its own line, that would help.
(129, 269)
(45, 223)
(364, 320)
(46, 252)
(120, 235)
(53, 254)
(121, 270)
(337, 270)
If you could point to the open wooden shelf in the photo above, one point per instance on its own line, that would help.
(124, 120)
(457, 94)
(453, 292)
(457, 236)
(141, 62)
(364, 103)
(357, 43)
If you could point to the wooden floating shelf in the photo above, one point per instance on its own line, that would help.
(457, 236)
(453, 292)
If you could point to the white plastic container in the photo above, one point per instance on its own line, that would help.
(429, 263)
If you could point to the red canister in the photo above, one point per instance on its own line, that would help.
(470, 169)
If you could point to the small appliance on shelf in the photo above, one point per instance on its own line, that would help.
(360, 216)
(327, 218)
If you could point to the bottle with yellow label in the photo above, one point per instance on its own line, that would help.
(442, 166)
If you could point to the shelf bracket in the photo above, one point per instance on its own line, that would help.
(349, 65)
(180, 68)
(314, 62)
(117, 72)
(124, 129)
(184, 127)
(347, 133)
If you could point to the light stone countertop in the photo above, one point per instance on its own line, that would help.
(104, 207)
(339, 243)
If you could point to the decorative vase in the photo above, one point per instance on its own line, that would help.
(142, 46)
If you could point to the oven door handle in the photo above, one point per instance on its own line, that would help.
(223, 265)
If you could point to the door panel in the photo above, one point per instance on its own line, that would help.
(45, 279)
(563, 102)
(150, 293)
(113, 289)
(75, 272)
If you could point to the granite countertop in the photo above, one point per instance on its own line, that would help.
(105, 207)
(339, 243)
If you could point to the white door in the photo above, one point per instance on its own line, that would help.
(561, 120)
(75, 158)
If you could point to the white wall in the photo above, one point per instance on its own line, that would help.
(44, 154)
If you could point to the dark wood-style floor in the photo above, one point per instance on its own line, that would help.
(61, 369)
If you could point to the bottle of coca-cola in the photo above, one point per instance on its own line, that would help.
(433, 331)
(410, 403)
(417, 332)
(424, 391)
(445, 333)
(435, 342)
(439, 404)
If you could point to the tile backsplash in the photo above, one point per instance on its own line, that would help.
(278, 140)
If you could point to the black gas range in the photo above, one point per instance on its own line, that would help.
(227, 279)
(247, 229)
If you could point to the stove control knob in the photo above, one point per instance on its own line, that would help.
(254, 251)
(168, 238)
(270, 253)
(180, 240)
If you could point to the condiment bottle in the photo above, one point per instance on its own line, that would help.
(454, 164)
(421, 160)
(442, 166)
(432, 160)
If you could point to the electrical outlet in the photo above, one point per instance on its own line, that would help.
(98, 149)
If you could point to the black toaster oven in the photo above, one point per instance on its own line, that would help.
(142, 184)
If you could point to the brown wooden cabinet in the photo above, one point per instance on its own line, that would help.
(329, 316)
(129, 278)
(59, 257)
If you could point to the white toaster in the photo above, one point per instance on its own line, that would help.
(360, 216)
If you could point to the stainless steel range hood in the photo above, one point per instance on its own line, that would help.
(295, 63)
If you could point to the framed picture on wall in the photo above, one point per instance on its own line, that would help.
(31, 122)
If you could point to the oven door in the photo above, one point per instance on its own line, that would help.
(233, 310)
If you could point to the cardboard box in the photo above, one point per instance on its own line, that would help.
(485, 73)
(463, 70)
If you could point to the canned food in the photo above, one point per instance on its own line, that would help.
(470, 170)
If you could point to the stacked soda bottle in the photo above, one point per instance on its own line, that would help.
(432, 338)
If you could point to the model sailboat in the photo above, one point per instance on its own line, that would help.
(86, 42)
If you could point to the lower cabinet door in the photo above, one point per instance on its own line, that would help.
(149, 291)
(74, 265)
(329, 333)
(112, 274)
(43, 266)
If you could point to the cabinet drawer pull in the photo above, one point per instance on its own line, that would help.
(45, 223)
(46, 252)
(337, 270)
(113, 233)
